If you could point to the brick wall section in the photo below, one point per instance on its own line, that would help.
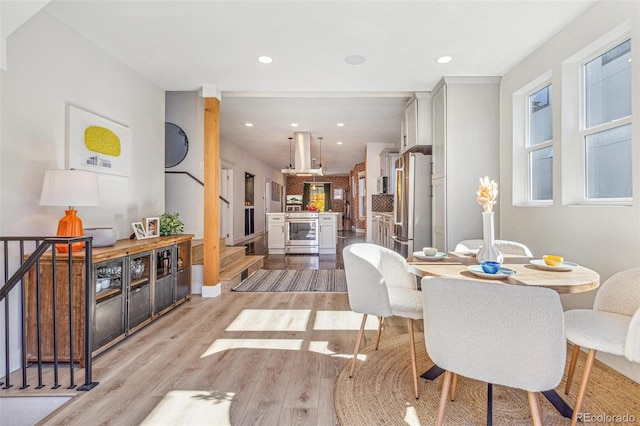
(295, 186)
(359, 224)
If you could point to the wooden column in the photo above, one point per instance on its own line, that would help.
(211, 197)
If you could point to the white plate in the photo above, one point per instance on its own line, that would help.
(502, 273)
(563, 267)
(438, 256)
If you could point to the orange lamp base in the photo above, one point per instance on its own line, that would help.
(70, 226)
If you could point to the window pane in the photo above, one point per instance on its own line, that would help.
(608, 86)
(541, 166)
(608, 157)
(316, 196)
(540, 126)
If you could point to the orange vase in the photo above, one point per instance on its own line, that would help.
(70, 226)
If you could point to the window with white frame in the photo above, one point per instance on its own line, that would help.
(539, 145)
(605, 128)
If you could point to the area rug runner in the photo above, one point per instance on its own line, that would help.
(265, 280)
(381, 392)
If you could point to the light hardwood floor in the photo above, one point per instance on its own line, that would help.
(241, 359)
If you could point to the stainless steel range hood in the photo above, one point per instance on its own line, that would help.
(303, 165)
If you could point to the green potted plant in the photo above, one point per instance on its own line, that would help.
(171, 224)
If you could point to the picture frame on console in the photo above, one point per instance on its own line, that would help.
(151, 227)
(138, 230)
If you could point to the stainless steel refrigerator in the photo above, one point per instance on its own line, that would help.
(412, 203)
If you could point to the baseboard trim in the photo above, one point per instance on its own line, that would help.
(211, 290)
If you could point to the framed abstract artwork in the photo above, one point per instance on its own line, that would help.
(97, 144)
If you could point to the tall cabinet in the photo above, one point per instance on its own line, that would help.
(466, 118)
(415, 126)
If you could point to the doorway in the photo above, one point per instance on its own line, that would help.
(226, 204)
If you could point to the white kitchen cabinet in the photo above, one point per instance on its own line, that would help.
(382, 229)
(416, 123)
(276, 233)
(466, 118)
(376, 228)
(328, 234)
(388, 169)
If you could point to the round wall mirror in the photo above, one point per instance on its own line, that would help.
(176, 145)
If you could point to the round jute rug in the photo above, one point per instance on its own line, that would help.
(381, 393)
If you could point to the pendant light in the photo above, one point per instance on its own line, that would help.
(290, 154)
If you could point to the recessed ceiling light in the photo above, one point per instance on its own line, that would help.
(248, 124)
(444, 59)
(355, 59)
(338, 143)
(294, 124)
(340, 124)
(265, 59)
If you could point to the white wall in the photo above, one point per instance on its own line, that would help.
(240, 162)
(50, 66)
(186, 109)
(183, 194)
(605, 239)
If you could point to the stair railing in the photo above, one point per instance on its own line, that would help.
(196, 179)
(14, 288)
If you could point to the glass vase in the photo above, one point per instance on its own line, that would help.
(488, 251)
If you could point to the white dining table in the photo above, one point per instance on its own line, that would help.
(576, 279)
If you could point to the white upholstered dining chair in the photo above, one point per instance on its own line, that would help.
(612, 326)
(505, 246)
(501, 334)
(378, 283)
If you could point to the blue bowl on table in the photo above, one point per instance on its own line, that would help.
(490, 266)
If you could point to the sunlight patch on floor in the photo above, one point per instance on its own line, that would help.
(192, 407)
(221, 345)
(271, 320)
(411, 416)
(343, 320)
(323, 348)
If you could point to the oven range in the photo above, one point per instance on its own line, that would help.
(301, 232)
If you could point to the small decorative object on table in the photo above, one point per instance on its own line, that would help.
(137, 268)
(151, 225)
(171, 224)
(429, 251)
(138, 230)
(102, 237)
(490, 267)
(553, 259)
(487, 194)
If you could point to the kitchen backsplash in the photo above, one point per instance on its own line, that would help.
(382, 203)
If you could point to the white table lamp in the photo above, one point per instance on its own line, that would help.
(70, 188)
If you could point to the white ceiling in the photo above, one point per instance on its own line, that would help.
(184, 45)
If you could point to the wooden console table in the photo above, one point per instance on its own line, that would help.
(139, 281)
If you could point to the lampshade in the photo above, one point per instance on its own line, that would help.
(70, 188)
